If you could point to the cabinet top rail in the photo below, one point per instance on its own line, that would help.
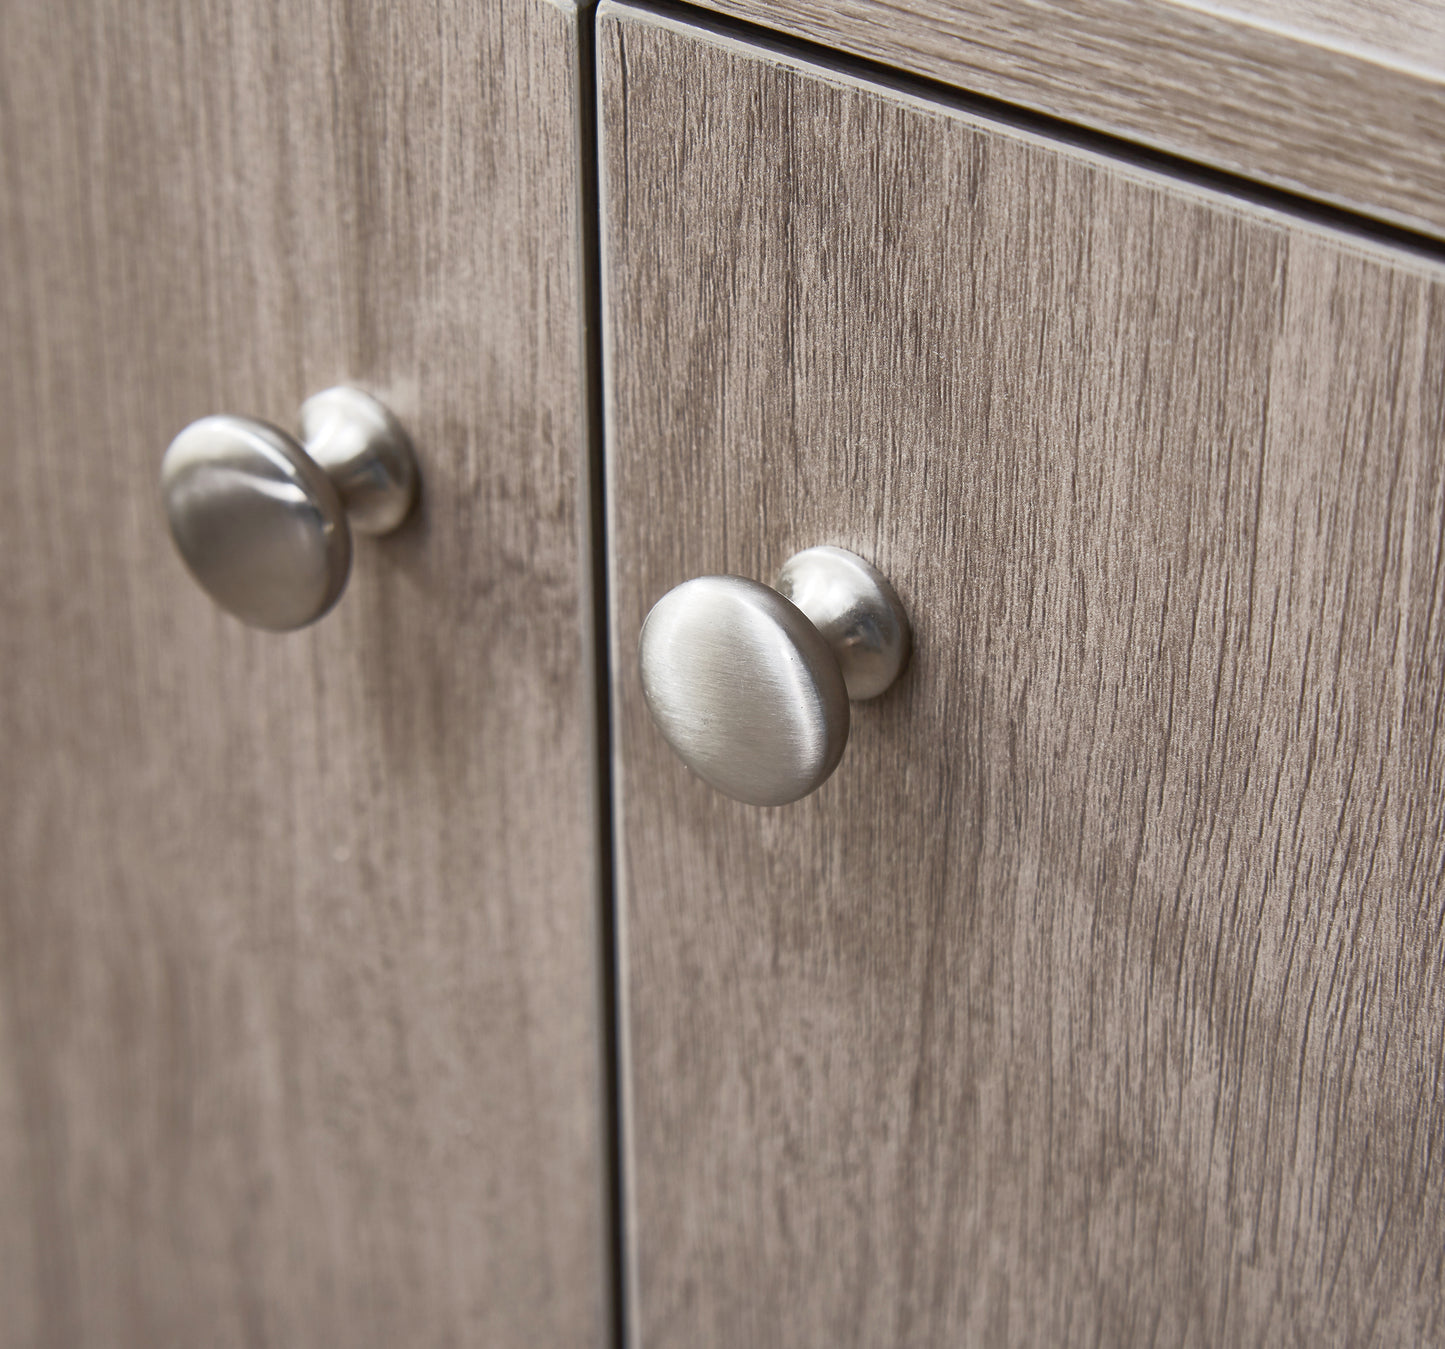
(1339, 100)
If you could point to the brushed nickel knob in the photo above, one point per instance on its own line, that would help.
(265, 525)
(750, 685)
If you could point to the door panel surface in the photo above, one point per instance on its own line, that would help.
(299, 1010)
(1099, 997)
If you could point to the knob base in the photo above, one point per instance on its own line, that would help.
(365, 453)
(858, 612)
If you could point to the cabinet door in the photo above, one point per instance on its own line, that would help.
(1099, 997)
(298, 947)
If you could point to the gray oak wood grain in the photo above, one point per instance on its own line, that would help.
(299, 1010)
(1342, 100)
(1099, 997)
(1400, 32)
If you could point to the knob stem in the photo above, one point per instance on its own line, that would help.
(366, 454)
(856, 610)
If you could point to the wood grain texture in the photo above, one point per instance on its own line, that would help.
(1341, 100)
(299, 1009)
(1099, 997)
(1400, 32)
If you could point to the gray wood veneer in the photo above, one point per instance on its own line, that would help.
(1341, 100)
(299, 1008)
(1099, 997)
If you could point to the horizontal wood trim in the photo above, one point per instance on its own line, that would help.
(1289, 95)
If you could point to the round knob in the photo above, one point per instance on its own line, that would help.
(751, 685)
(264, 525)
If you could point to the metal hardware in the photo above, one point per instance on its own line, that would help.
(750, 685)
(265, 525)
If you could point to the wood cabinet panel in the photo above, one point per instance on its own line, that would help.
(299, 988)
(1099, 997)
(1341, 100)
